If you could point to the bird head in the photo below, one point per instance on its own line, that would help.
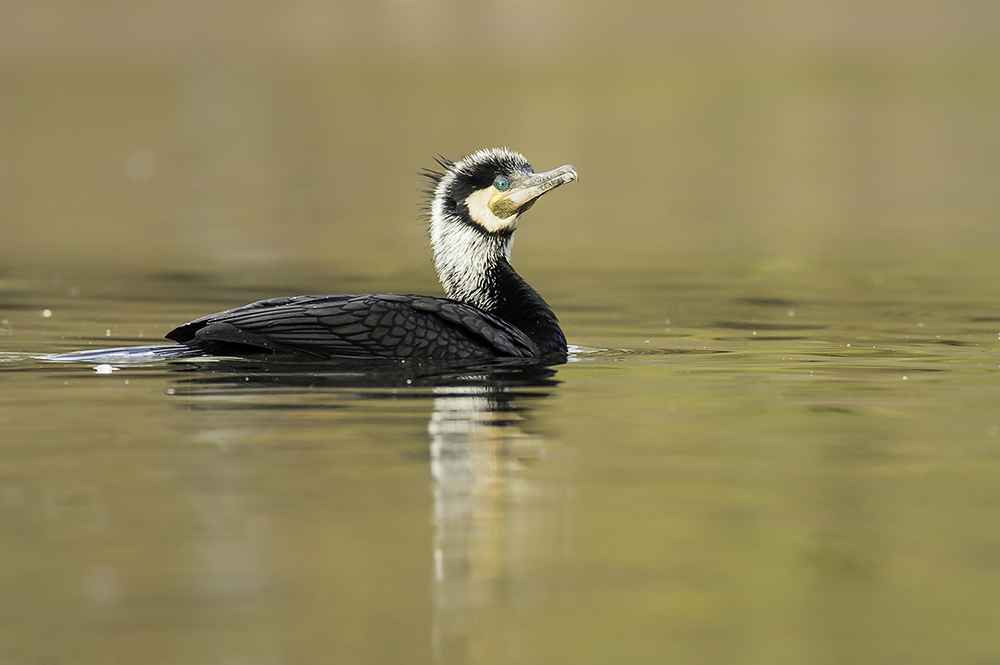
(492, 188)
(474, 207)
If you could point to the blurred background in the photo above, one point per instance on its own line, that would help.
(262, 136)
(825, 172)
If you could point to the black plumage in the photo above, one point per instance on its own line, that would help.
(375, 325)
(490, 311)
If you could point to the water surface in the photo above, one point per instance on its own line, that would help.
(762, 477)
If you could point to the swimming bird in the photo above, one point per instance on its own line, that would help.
(474, 208)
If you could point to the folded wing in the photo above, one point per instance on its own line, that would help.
(358, 326)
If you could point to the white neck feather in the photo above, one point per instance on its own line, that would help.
(464, 255)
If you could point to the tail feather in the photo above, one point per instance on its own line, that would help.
(128, 354)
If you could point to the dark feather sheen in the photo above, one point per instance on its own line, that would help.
(365, 326)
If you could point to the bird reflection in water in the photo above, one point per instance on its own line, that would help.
(495, 526)
(490, 520)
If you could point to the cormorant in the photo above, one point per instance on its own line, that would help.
(490, 311)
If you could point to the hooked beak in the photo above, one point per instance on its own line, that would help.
(523, 192)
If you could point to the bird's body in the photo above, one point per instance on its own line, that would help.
(377, 325)
(490, 310)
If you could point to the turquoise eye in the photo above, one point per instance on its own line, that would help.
(501, 183)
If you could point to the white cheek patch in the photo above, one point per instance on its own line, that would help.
(479, 209)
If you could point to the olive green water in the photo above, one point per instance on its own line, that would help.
(777, 439)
